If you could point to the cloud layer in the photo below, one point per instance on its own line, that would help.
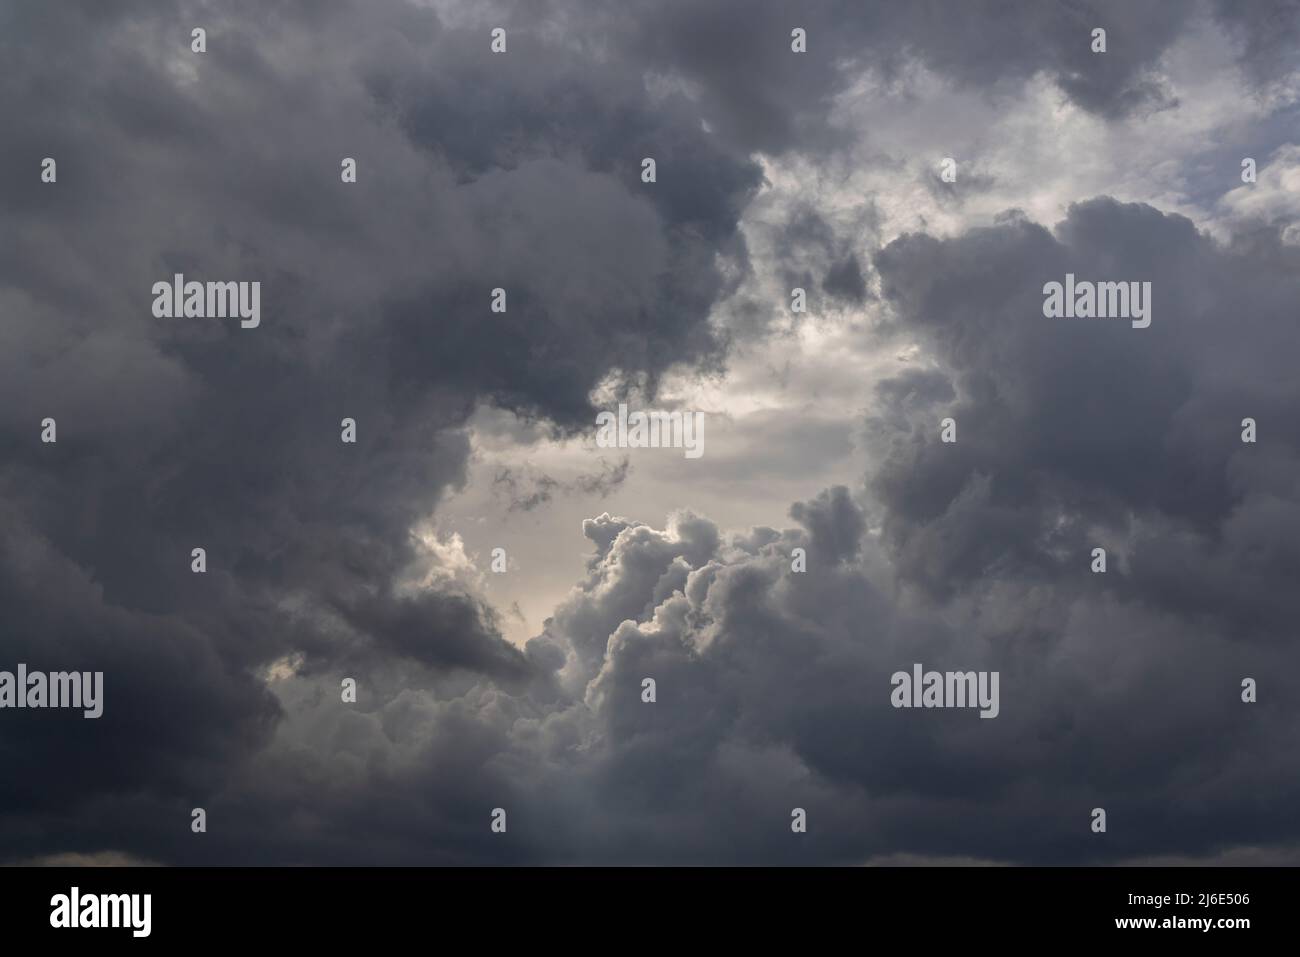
(523, 171)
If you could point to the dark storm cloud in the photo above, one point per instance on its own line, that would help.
(755, 91)
(446, 631)
(1119, 691)
(1059, 421)
(773, 686)
(181, 433)
(773, 694)
(1079, 433)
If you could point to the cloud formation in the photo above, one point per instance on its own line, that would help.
(522, 172)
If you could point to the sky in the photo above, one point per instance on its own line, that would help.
(520, 688)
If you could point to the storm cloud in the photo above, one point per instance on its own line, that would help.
(521, 171)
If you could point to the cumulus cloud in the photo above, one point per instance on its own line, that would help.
(177, 434)
(327, 560)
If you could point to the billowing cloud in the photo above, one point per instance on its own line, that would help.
(329, 560)
(182, 433)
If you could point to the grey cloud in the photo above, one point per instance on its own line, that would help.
(844, 280)
(1062, 420)
(773, 693)
(1270, 33)
(1119, 691)
(528, 488)
(182, 433)
(835, 523)
(755, 91)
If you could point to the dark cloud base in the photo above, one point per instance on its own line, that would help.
(1120, 691)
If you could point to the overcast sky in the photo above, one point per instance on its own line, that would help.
(522, 690)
